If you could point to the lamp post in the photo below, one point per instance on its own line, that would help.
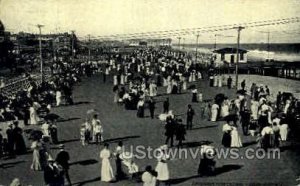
(237, 56)
(179, 42)
(197, 37)
(41, 56)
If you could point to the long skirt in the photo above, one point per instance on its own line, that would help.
(58, 100)
(214, 114)
(184, 85)
(165, 82)
(190, 78)
(115, 80)
(169, 89)
(215, 81)
(193, 77)
(162, 171)
(268, 141)
(226, 140)
(200, 97)
(125, 79)
(36, 164)
(207, 166)
(34, 118)
(224, 111)
(235, 139)
(174, 89)
(122, 80)
(107, 173)
(283, 132)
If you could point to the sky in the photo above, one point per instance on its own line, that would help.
(108, 17)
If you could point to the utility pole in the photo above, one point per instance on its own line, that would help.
(179, 42)
(268, 45)
(215, 42)
(183, 39)
(197, 37)
(237, 56)
(40, 46)
(72, 48)
(89, 45)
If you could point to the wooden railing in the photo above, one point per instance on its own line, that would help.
(22, 83)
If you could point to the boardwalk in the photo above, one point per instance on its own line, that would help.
(120, 124)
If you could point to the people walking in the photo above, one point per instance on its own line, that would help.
(189, 118)
(180, 133)
(170, 131)
(162, 168)
(62, 158)
(151, 105)
(107, 174)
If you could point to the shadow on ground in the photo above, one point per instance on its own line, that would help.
(85, 162)
(114, 140)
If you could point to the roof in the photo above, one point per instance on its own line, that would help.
(229, 50)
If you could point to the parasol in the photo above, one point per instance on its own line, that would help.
(35, 134)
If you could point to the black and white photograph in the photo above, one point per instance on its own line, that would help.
(149, 92)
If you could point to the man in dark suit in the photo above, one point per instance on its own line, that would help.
(62, 159)
(190, 115)
(152, 107)
(170, 130)
(180, 133)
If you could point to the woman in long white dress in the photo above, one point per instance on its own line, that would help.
(169, 87)
(235, 138)
(225, 109)
(214, 112)
(162, 169)
(254, 109)
(107, 174)
(58, 98)
(34, 118)
(115, 80)
(122, 79)
(215, 81)
(148, 178)
(152, 89)
(184, 84)
(193, 76)
(36, 146)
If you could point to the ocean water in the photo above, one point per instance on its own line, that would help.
(258, 52)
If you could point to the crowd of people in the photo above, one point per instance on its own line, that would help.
(136, 79)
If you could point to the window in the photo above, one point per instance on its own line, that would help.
(242, 56)
(222, 57)
(232, 58)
